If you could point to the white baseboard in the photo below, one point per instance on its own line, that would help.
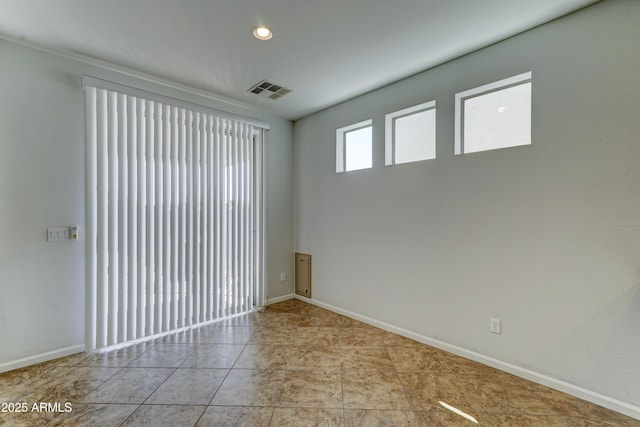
(574, 390)
(39, 358)
(279, 299)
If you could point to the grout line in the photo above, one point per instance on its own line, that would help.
(160, 385)
(404, 389)
(341, 376)
(253, 332)
(130, 415)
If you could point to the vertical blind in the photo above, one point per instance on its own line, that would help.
(174, 217)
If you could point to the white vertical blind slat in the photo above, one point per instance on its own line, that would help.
(150, 218)
(252, 235)
(218, 218)
(182, 234)
(102, 230)
(92, 216)
(203, 219)
(197, 200)
(241, 213)
(245, 219)
(142, 223)
(175, 195)
(236, 216)
(225, 219)
(190, 219)
(258, 224)
(132, 312)
(210, 209)
(159, 221)
(123, 207)
(112, 221)
(166, 216)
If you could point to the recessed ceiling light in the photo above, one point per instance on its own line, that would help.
(262, 33)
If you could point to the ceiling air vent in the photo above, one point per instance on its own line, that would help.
(268, 90)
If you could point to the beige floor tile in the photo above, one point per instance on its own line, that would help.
(378, 418)
(282, 336)
(241, 323)
(86, 415)
(445, 419)
(611, 420)
(422, 358)
(480, 393)
(188, 387)
(27, 419)
(393, 340)
(130, 385)
(361, 337)
(420, 390)
(271, 319)
(250, 388)
(114, 358)
(163, 356)
(347, 322)
(189, 336)
(69, 384)
(263, 356)
(247, 320)
(313, 389)
(14, 385)
(373, 390)
(213, 356)
(221, 334)
(290, 305)
(316, 335)
(319, 319)
(71, 360)
(314, 358)
(307, 417)
(365, 359)
(165, 416)
(563, 404)
(460, 365)
(510, 420)
(236, 416)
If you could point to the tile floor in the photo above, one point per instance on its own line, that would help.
(292, 365)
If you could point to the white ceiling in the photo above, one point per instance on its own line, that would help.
(327, 51)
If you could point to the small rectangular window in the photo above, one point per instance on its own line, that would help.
(354, 147)
(410, 134)
(493, 116)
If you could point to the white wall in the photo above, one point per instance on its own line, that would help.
(42, 184)
(546, 237)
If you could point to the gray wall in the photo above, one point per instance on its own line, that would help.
(42, 184)
(546, 237)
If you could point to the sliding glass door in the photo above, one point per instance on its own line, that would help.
(174, 215)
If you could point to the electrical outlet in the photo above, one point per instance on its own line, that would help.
(283, 277)
(495, 325)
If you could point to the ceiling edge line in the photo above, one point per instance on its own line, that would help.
(131, 72)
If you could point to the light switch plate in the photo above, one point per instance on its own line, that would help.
(56, 234)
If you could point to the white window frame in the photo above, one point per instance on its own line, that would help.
(461, 97)
(341, 146)
(389, 123)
